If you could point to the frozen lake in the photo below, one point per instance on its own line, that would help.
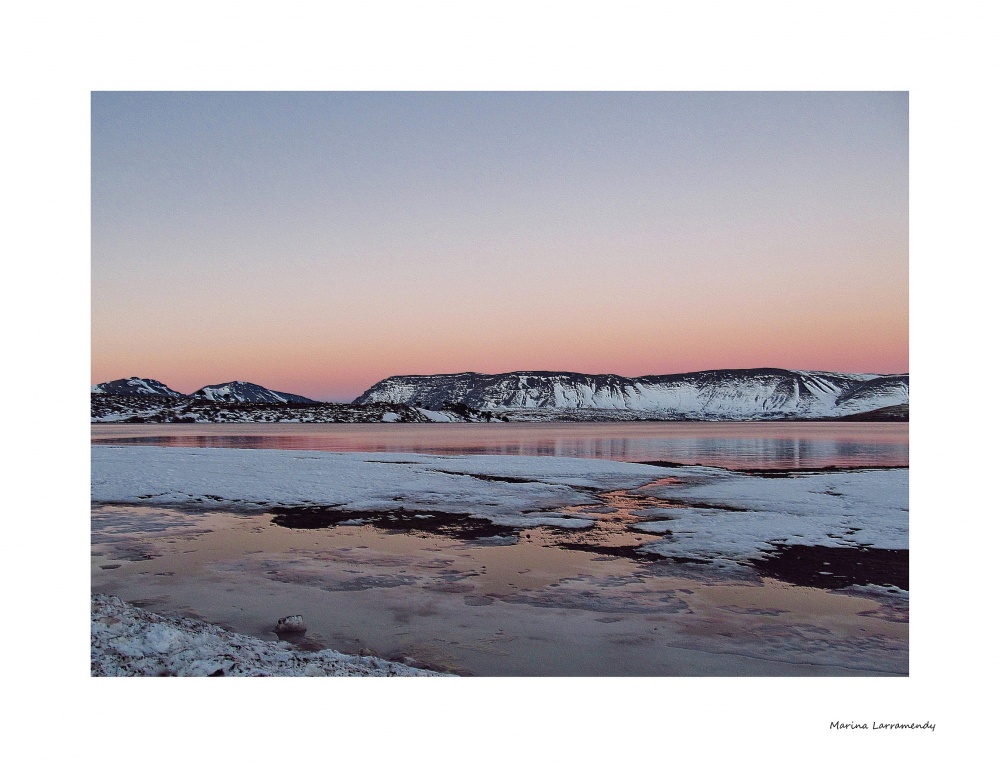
(739, 445)
(516, 565)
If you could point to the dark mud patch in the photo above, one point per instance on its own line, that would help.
(827, 470)
(666, 464)
(454, 525)
(783, 472)
(836, 567)
(744, 611)
(488, 478)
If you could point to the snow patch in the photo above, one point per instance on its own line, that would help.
(713, 514)
(126, 641)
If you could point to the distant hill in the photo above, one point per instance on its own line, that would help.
(246, 392)
(135, 386)
(721, 395)
(230, 392)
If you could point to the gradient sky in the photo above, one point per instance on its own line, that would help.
(317, 242)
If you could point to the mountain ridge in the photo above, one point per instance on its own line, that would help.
(135, 385)
(246, 392)
(228, 392)
(727, 394)
(721, 394)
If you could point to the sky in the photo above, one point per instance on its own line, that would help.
(316, 243)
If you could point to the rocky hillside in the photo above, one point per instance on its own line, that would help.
(135, 386)
(734, 394)
(147, 409)
(230, 392)
(246, 392)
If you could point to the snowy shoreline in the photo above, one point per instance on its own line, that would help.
(126, 641)
(713, 515)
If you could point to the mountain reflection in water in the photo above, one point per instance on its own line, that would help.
(743, 445)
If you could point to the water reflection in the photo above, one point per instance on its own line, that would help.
(735, 446)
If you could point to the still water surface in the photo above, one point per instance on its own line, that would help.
(796, 445)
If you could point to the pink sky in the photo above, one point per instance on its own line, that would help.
(316, 243)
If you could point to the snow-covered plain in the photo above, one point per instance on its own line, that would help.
(518, 491)
(862, 508)
(707, 514)
(127, 641)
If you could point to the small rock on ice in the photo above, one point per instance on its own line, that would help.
(290, 625)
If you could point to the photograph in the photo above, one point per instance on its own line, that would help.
(500, 384)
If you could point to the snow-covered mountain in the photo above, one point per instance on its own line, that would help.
(135, 386)
(230, 392)
(246, 392)
(757, 393)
